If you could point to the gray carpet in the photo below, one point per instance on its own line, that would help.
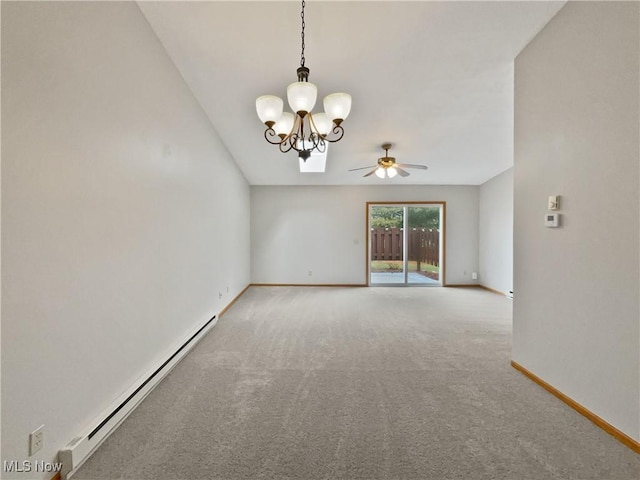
(357, 383)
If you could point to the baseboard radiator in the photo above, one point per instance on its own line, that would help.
(81, 447)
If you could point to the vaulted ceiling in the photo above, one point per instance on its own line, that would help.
(435, 79)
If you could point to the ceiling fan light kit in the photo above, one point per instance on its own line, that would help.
(388, 172)
(303, 131)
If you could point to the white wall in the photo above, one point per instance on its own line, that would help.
(323, 229)
(496, 232)
(123, 215)
(576, 311)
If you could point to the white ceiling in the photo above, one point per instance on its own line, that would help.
(433, 78)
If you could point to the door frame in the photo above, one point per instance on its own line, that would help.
(443, 234)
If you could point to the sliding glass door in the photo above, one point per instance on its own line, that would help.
(405, 244)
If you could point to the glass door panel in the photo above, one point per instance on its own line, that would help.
(423, 245)
(386, 235)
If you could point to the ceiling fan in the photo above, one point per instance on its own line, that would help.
(387, 166)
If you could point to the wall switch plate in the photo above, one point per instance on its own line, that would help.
(554, 202)
(36, 440)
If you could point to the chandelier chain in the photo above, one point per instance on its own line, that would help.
(302, 59)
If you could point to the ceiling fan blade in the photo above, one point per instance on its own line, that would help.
(411, 165)
(371, 172)
(401, 172)
(362, 168)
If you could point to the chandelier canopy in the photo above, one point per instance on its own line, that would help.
(303, 131)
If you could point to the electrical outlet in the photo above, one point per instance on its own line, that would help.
(310, 272)
(474, 275)
(36, 440)
(219, 294)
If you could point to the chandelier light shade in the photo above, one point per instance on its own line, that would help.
(284, 125)
(337, 106)
(302, 97)
(303, 130)
(322, 123)
(269, 109)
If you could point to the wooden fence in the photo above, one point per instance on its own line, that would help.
(423, 244)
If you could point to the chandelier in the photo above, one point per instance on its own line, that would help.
(303, 131)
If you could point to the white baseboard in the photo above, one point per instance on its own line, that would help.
(83, 445)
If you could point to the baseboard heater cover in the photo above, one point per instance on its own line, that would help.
(81, 447)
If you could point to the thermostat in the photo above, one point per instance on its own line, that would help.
(551, 220)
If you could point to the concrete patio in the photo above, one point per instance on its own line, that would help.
(413, 278)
